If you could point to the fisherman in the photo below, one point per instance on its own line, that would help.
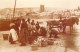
(29, 30)
(37, 25)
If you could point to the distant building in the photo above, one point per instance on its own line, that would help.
(78, 8)
(41, 8)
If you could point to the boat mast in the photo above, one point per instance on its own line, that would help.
(14, 9)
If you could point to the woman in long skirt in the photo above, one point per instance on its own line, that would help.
(13, 37)
(23, 33)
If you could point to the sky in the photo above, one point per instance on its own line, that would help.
(63, 4)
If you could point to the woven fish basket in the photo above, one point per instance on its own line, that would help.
(5, 36)
(34, 47)
(50, 41)
(44, 43)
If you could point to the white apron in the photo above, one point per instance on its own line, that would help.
(14, 34)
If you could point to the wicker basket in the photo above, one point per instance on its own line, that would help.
(50, 42)
(5, 36)
(34, 47)
(44, 43)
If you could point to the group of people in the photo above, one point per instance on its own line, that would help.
(25, 31)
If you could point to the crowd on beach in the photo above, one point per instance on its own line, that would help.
(25, 31)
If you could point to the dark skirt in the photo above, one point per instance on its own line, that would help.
(23, 36)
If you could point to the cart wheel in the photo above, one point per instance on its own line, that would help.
(60, 29)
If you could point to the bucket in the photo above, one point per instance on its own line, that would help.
(5, 36)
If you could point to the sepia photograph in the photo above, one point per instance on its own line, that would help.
(39, 25)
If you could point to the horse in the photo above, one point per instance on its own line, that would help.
(69, 22)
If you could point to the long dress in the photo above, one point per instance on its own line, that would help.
(23, 33)
(22, 36)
